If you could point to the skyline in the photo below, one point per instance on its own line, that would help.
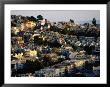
(61, 15)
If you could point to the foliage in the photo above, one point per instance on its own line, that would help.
(94, 21)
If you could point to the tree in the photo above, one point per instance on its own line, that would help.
(72, 21)
(60, 60)
(33, 18)
(74, 47)
(40, 17)
(32, 66)
(28, 66)
(39, 65)
(47, 60)
(94, 21)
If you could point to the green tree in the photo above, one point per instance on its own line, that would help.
(47, 60)
(32, 66)
(38, 64)
(94, 21)
(40, 17)
(72, 21)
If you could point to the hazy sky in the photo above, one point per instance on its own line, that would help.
(61, 15)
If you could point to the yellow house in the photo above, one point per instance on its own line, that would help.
(33, 53)
(19, 55)
(20, 40)
(30, 24)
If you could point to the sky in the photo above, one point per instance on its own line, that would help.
(61, 15)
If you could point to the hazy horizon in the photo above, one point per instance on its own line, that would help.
(61, 15)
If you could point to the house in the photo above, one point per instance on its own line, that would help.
(72, 55)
